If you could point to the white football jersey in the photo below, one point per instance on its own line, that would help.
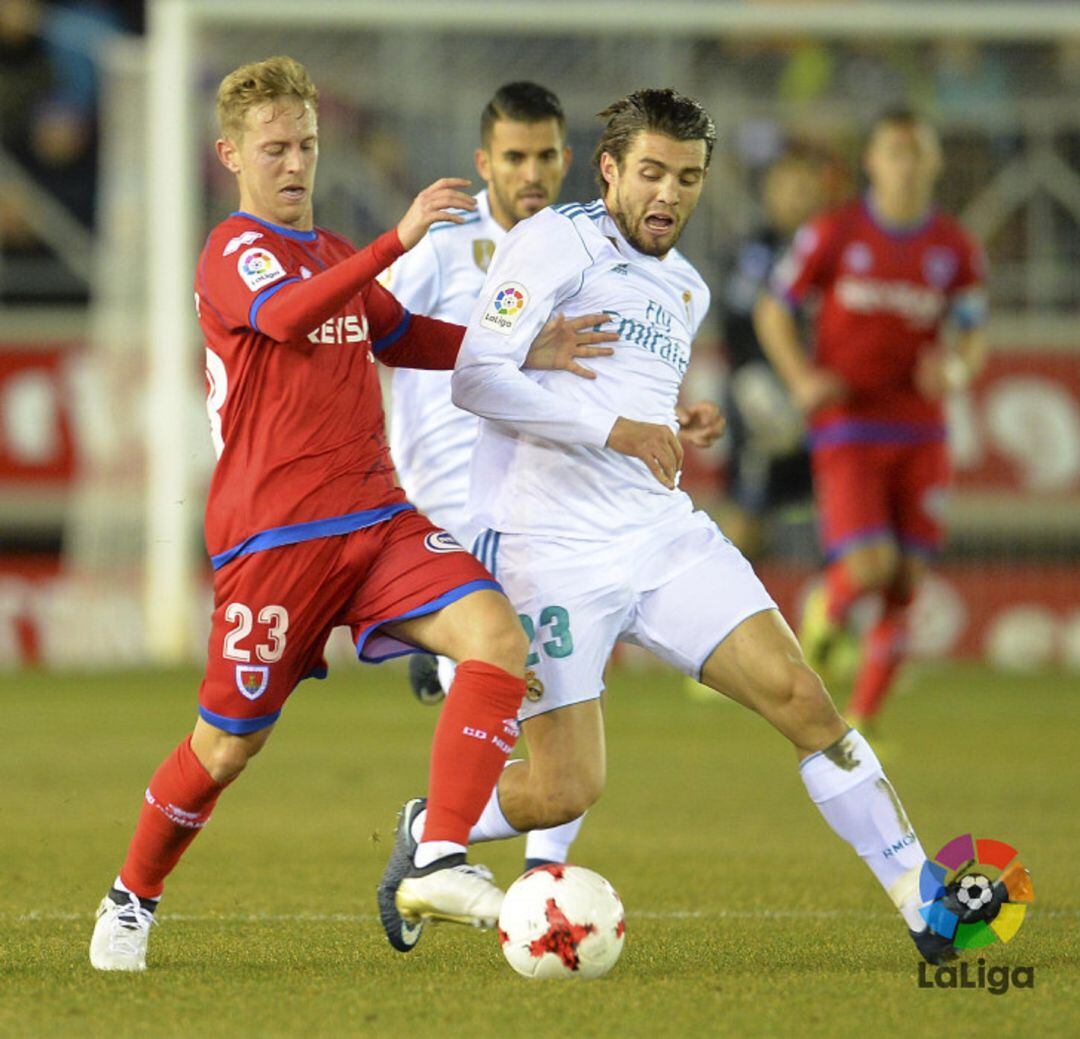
(540, 465)
(431, 440)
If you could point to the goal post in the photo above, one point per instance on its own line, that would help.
(172, 219)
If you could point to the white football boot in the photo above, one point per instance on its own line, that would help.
(121, 933)
(450, 889)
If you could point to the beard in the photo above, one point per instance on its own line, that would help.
(512, 206)
(629, 223)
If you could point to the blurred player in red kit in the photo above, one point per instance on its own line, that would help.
(891, 273)
(306, 525)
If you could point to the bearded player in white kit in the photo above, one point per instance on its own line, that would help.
(523, 159)
(576, 483)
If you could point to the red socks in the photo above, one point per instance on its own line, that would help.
(884, 649)
(840, 591)
(476, 732)
(179, 800)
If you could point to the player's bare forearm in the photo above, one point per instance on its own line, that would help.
(811, 387)
(779, 336)
(971, 348)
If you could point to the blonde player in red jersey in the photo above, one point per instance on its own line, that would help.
(305, 524)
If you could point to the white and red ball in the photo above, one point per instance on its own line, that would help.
(562, 921)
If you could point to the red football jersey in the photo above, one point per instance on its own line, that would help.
(884, 295)
(298, 425)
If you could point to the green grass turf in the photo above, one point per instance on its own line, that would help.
(746, 916)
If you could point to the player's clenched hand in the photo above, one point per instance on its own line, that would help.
(938, 373)
(433, 204)
(816, 388)
(560, 343)
(653, 443)
(700, 424)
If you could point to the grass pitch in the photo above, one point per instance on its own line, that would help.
(746, 915)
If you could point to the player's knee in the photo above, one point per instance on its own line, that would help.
(225, 756)
(573, 796)
(802, 695)
(876, 566)
(499, 640)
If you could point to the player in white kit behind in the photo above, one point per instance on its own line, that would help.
(523, 158)
(576, 483)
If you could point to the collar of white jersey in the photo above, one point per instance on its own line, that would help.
(483, 210)
(609, 227)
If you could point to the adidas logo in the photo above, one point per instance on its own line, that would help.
(621, 268)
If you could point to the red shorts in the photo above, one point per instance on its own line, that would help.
(866, 492)
(274, 610)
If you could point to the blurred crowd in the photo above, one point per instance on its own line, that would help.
(49, 62)
(764, 92)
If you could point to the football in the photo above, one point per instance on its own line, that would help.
(562, 921)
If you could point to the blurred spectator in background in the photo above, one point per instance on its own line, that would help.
(770, 467)
(808, 74)
(25, 78)
(967, 76)
(50, 56)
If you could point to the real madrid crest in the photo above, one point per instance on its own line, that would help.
(534, 688)
(482, 251)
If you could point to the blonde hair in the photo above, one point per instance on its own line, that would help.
(256, 83)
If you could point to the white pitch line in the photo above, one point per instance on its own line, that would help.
(259, 918)
(359, 918)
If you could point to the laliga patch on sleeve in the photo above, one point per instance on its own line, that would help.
(259, 267)
(506, 306)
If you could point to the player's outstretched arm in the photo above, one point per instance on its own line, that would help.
(301, 305)
(536, 267)
(298, 305)
(563, 341)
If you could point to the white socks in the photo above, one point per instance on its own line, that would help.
(552, 844)
(848, 785)
(428, 852)
(446, 672)
(492, 824)
(121, 886)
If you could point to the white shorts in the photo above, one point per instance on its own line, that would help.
(677, 591)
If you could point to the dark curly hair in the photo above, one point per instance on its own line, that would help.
(658, 111)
